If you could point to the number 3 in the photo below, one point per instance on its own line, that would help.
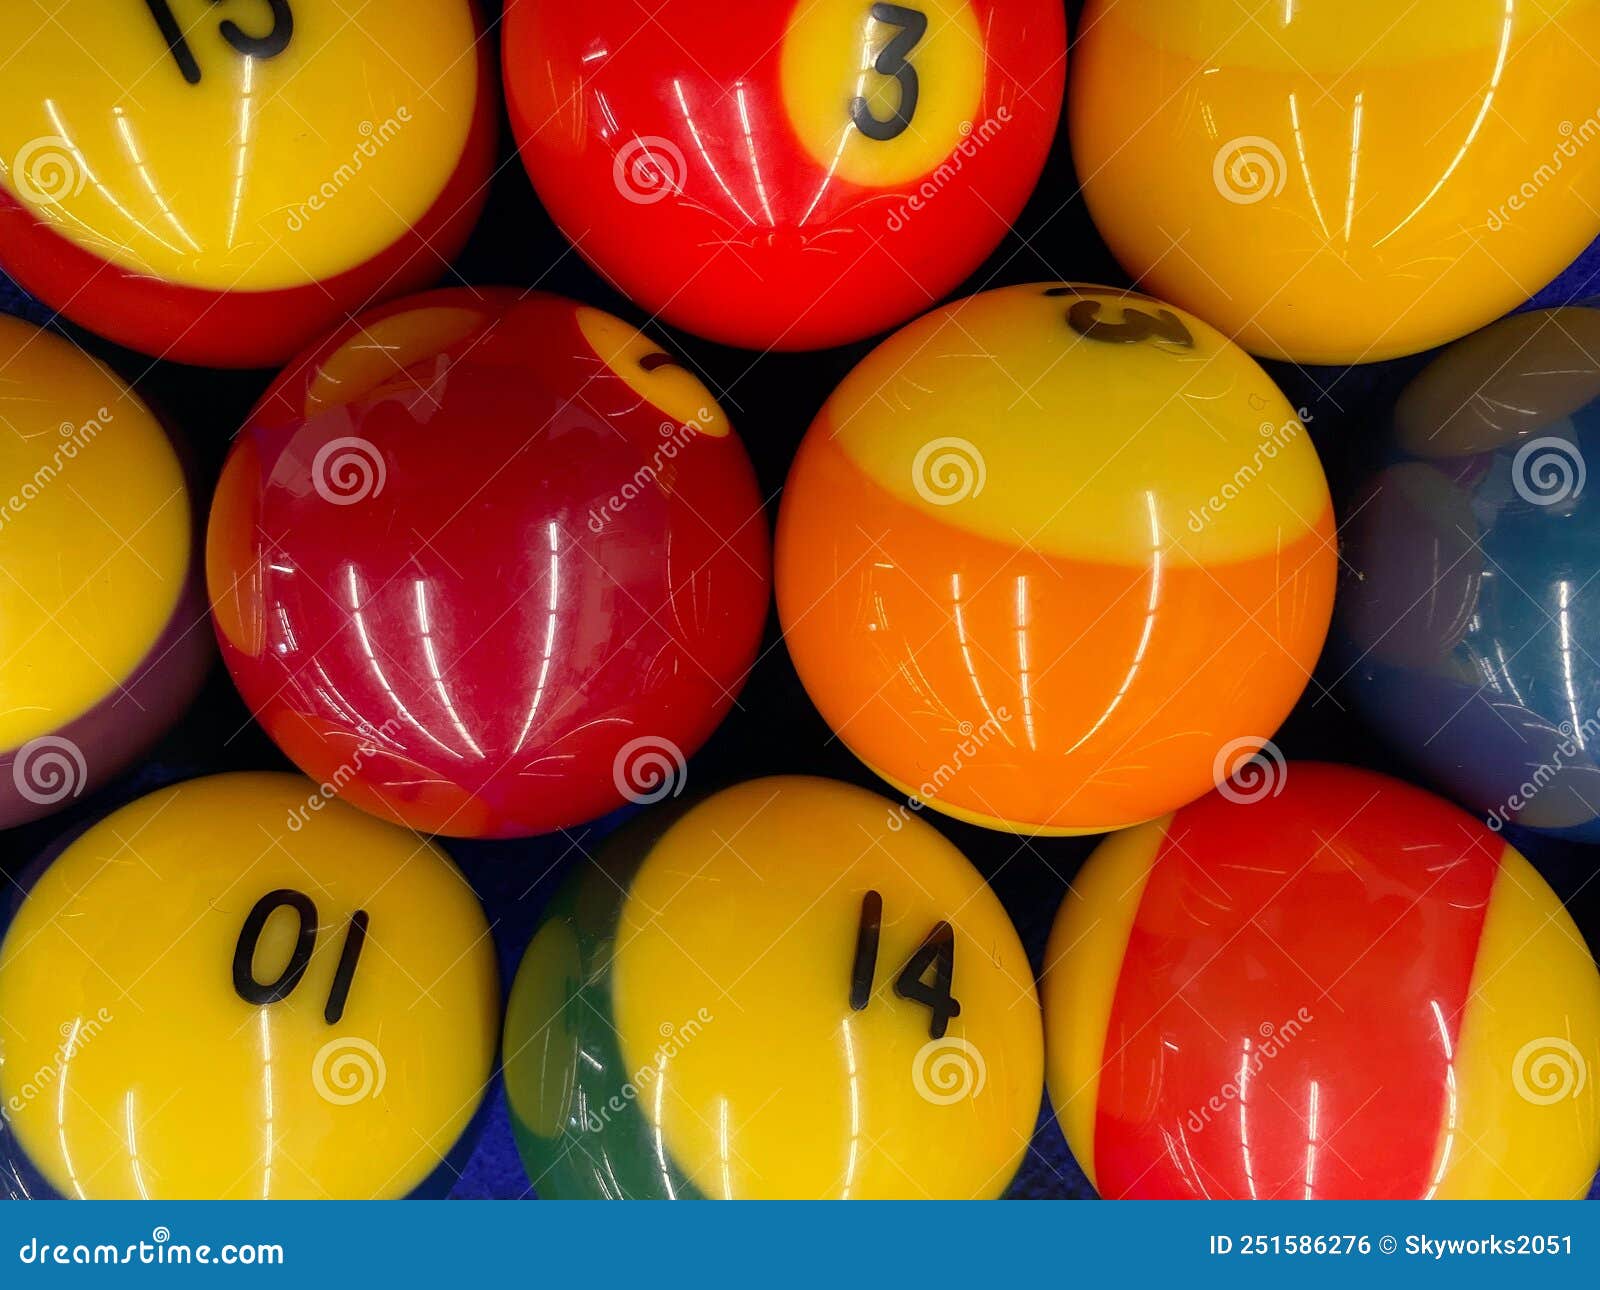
(893, 62)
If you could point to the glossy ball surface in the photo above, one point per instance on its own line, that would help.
(102, 636)
(237, 988)
(793, 176)
(1468, 620)
(488, 564)
(1327, 985)
(1054, 557)
(1340, 183)
(224, 184)
(718, 1008)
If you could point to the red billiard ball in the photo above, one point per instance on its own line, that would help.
(488, 565)
(790, 175)
(224, 184)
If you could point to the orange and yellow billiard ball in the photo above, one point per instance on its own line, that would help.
(1054, 557)
(103, 638)
(241, 988)
(789, 175)
(221, 184)
(1322, 984)
(792, 989)
(1340, 183)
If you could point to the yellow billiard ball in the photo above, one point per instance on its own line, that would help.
(792, 989)
(241, 988)
(221, 184)
(103, 634)
(1340, 183)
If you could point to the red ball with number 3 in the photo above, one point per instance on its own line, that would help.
(788, 175)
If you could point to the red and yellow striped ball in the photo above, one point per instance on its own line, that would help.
(1050, 553)
(1332, 986)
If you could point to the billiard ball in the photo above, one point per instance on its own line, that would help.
(489, 564)
(223, 184)
(103, 641)
(1332, 985)
(1055, 558)
(1468, 612)
(791, 989)
(1339, 183)
(238, 987)
(792, 176)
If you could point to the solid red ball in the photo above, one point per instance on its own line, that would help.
(489, 565)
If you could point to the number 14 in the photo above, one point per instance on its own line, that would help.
(938, 952)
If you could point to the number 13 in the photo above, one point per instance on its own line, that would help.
(268, 46)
